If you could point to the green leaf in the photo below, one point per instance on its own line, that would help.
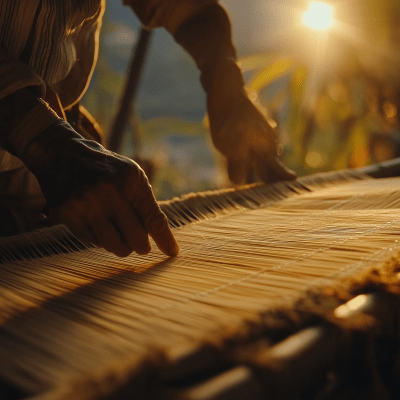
(272, 72)
(256, 61)
(297, 84)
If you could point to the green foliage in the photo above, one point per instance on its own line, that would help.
(279, 67)
(157, 128)
(328, 126)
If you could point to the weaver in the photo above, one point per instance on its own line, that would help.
(78, 323)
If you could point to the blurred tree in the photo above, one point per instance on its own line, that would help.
(337, 92)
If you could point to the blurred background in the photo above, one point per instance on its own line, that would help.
(326, 72)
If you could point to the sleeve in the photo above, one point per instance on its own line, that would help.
(15, 75)
(169, 14)
(22, 119)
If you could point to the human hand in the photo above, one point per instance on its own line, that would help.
(103, 197)
(242, 133)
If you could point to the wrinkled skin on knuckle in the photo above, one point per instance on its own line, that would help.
(156, 222)
(79, 165)
(142, 196)
(132, 180)
(84, 183)
(86, 178)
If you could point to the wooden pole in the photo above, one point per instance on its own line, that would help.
(130, 91)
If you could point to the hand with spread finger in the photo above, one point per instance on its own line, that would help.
(103, 197)
(240, 131)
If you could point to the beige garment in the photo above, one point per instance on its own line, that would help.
(64, 51)
(18, 186)
(65, 46)
(63, 55)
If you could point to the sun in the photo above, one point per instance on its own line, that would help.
(319, 16)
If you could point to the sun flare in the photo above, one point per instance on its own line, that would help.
(319, 16)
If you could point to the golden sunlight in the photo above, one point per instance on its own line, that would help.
(319, 16)
(352, 307)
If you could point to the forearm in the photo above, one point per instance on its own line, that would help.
(207, 37)
(238, 128)
(202, 28)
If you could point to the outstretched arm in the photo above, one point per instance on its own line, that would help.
(239, 130)
(104, 198)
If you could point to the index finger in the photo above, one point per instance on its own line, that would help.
(156, 223)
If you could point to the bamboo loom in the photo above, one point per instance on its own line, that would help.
(79, 323)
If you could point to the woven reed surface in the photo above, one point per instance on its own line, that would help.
(88, 315)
